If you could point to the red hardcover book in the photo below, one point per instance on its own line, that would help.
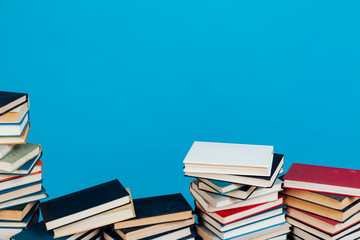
(323, 179)
(236, 214)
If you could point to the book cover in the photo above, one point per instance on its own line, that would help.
(11, 100)
(15, 115)
(260, 181)
(340, 177)
(233, 155)
(21, 152)
(83, 200)
(160, 205)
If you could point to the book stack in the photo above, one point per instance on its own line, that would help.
(161, 217)
(81, 214)
(323, 202)
(20, 167)
(236, 191)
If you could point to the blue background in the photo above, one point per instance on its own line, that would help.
(121, 89)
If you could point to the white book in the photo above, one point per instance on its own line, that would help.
(226, 158)
(14, 129)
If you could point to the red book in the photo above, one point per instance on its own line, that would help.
(323, 179)
(236, 214)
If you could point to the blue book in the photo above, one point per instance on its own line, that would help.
(25, 199)
(14, 129)
(223, 187)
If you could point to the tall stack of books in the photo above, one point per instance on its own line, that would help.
(20, 167)
(81, 214)
(237, 191)
(323, 202)
(161, 217)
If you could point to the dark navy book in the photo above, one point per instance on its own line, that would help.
(158, 209)
(64, 210)
(11, 100)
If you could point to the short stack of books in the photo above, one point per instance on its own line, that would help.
(237, 191)
(20, 167)
(14, 118)
(161, 218)
(81, 214)
(323, 202)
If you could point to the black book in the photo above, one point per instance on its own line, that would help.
(259, 181)
(82, 204)
(11, 100)
(151, 231)
(159, 209)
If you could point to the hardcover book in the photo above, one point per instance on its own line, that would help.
(11, 100)
(19, 156)
(14, 129)
(141, 232)
(16, 213)
(266, 233)
(24, 199)
(32, 215)
(9, 140)
(258, 181)
(15, 115)
(242, 222)
(347, 234)
(221, 186)
(249, 228)
(20, 180)
(32, 166)
(225, 158)
(322, 223)
(335, 214)
(5, 149)
(99, 220)
(158, 209)
(323, 179)
(82, 204)
(16, 192)
(232, 215)
(325, 199)
(213, 202)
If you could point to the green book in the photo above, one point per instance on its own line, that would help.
(20, 155)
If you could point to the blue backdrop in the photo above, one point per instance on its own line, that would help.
(121, 89)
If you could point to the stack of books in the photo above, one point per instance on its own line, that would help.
(81, 214)
(237, 191)
(20, 167)
(161, 217)
(323, 202)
